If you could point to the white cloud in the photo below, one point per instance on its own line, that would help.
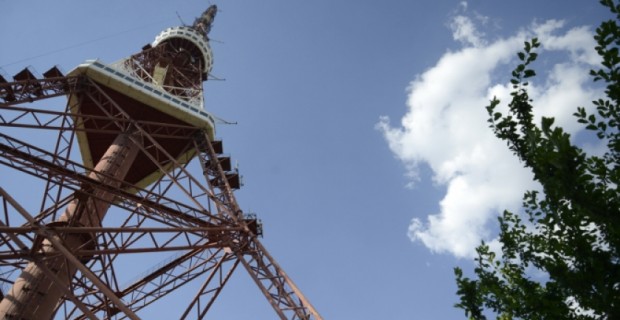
(464, 30)
(445, 127)
(463, 5)
(578, 41)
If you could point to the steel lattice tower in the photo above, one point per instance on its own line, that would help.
(117, 182)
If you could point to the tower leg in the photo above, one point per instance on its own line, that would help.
(33, 295)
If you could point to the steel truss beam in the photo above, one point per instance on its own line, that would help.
(20, 117)
(283, 295)
(205, 226)
(30, 90)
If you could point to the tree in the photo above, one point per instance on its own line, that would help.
(570, 231)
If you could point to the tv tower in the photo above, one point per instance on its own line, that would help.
(119, 184)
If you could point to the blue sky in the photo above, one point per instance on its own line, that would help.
(361, 128)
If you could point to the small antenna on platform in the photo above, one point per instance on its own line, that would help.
(222, 121)
(181, 19)
(212, 77)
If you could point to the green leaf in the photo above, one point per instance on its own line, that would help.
(546, 123)
(592, 118)
(529, 73)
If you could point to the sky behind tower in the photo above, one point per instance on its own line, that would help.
(360, 128)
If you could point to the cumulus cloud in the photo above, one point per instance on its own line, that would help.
(445, 127)
(464, 30)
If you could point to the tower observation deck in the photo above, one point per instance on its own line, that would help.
(142, 132)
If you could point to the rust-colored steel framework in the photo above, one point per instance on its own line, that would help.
(133, 194)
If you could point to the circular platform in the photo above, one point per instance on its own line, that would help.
(193, 36)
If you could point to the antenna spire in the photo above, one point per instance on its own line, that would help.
(204, 22)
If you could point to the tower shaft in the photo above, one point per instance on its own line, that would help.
(34, 295)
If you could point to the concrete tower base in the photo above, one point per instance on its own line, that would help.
(34, 296)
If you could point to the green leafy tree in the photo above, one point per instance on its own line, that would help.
(570, 231)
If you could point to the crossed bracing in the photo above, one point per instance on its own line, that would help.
(194, 218)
